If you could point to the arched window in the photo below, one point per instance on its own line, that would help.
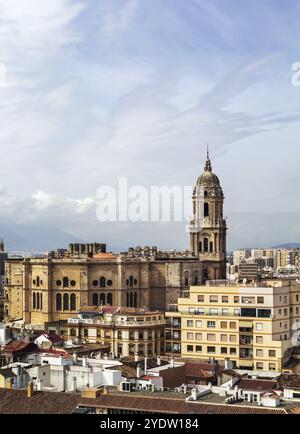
(34, 301)
(211, 246)
(131, 280)
(102, 282)
(109, 299)
(200, 247)
(196, 275)
(205, 194)
(186, 278)
(37, 300)
(41, 300)
(135, 301)
(131, 300)
(65, 282)
(205, 274)
(95, 299)
(73, 301)
(127, 299)
(102, 298)
(73, 332)
(205, 245)
(66, 302)
(58, 302)
(206, 209)
(38, 281)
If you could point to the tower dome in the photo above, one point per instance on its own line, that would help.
(208, 178)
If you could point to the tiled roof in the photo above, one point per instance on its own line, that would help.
(289, 381)
(16, 402)
(199, 369)
(257, 385)
(19, 346)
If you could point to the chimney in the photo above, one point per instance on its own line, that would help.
(84, 362)
(136, 357)
(228, 364)
(145, 368)
(158, 361)
(30, 390)
(194, 394)
(172, 362)
(75, 358)
(138, 371)
(105, 356)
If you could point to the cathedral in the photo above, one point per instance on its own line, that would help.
(40, 290)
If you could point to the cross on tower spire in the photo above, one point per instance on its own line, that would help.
(208, 167)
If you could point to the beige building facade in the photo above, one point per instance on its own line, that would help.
(128, 331)
(251, 325)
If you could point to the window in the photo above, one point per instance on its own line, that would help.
(223, 338)
(225, 312)
(272, 366)
(259, 326)
(236, 299)
(213, 312)
(58, 302)
(260, 300)
(102, 282)
(259, 353)
(259, 366)
(33, 300)
(37, 300)
(190, 348)
(213, 299)
(248, 300)
(206, 209)
(65, 282)
(95, 282)
(232, 351)
(58, 282)
(272, 353)
(73, 283)
(225, 299)
(72, 332)
(198, 324)
(211, 350)
(109, 283)
(66, 302)
(200, 298)
(85, 333)
(237, 312)
(198, 349)
(190, 336)
(198, 336)
(109, 299)
(211, 324)
(232, 338)
(190, 323)
(211, 337)
(73, 301)
(205, 245)
(37, 281)
(232, 325)
(102, 298)
(223, 325)
(259, 340)
(95, 299)
(224, 350)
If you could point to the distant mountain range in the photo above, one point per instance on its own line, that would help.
(34, 238)
(288, 246)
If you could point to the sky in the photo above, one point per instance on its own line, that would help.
(95, 90)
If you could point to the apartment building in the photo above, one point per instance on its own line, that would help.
(128, 331)
(251, 325)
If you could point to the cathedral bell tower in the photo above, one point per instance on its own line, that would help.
(208, 226)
